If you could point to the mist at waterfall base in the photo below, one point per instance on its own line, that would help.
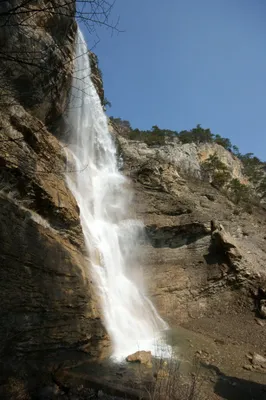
(103, 196)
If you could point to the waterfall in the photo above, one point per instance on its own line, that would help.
(103, 196)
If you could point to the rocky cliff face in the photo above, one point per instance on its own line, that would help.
(37, 39)
(194, 268)
(96, 75)
(191, 274)
(48, 309)
(186, 158)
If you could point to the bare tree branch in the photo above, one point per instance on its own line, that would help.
(19, 16)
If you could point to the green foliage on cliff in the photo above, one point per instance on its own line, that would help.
(107, 103)
(238, 191)
(255, 170)
(213, 163)
(225, 142)
(213, 169)
(158, 136)
(262, 188)
(120, 123)
(196, 135)
(201, 135)
(220, 177)
(216, 171)
(153, 137)
(252, 166)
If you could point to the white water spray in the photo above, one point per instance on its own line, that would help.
(103, 197)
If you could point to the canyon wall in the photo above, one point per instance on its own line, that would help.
(48, 306)
(189, 272)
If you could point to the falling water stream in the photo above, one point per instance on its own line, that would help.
(103, 197)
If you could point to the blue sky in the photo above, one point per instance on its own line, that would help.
(183, 62)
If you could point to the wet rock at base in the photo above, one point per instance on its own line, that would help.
(143, 357)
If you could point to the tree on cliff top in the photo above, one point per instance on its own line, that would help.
(196, 135)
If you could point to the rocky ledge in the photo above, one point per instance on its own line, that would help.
(194, 267)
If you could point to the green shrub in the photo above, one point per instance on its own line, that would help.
(252, 167)
(155, 136)
(121, 123)
(196, 135)
(213, 163)
(238, 191)
(107, 103)
(213, 168)
(220, 178)
(225, 142)
(215, 171)
(262, 188)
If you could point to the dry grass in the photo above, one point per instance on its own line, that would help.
(166, 380)
(169, 384)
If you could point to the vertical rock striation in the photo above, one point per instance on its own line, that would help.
(48, 309)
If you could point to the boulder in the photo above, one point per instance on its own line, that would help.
(258, 361)
(143, 357)
(225, 243)
(262, 308)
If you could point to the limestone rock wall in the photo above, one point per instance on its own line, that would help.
(48, 306)
(186, 158)
(188, 275)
